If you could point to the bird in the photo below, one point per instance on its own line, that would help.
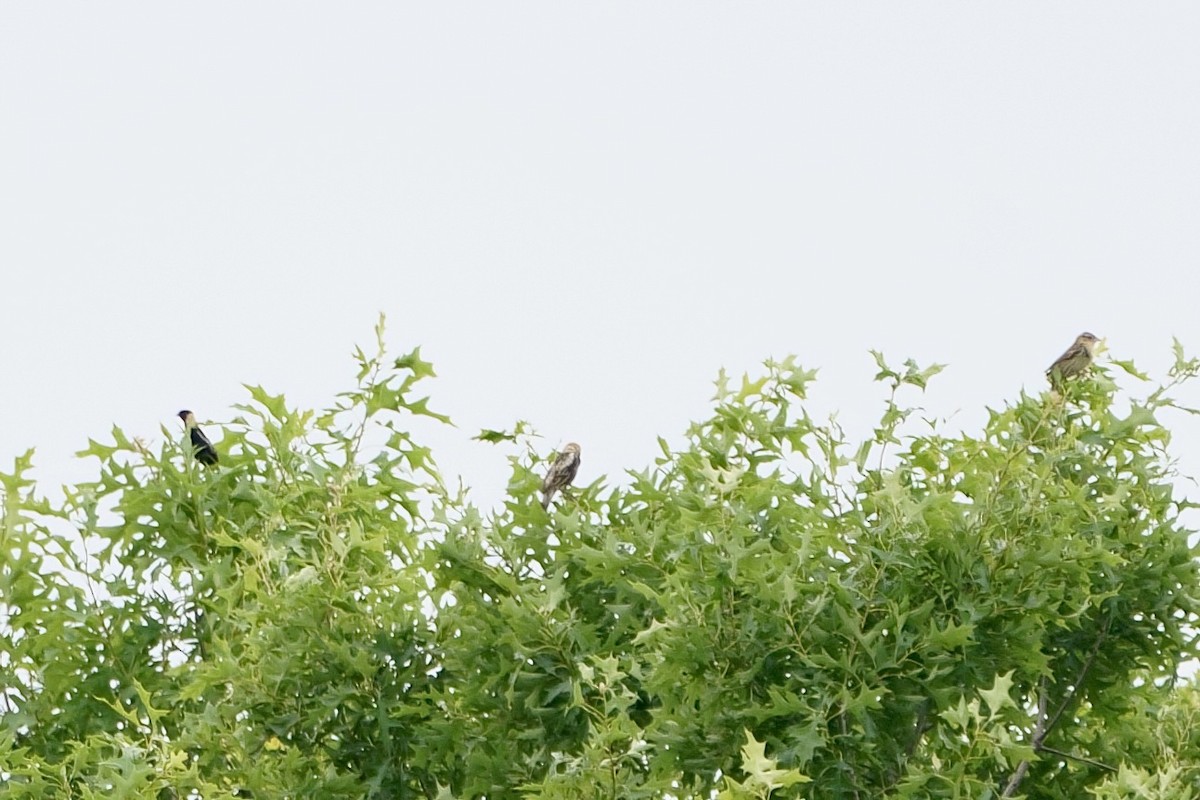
(203, 449)
(561, 473)
(1075, 360)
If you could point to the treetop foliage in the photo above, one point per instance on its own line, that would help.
(769, 610)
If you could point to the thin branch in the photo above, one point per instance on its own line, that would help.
(884, 443)
(1074, 688)
(1044, 724)
(921, 725)
(1073, 757)
(1038, 733)
(845, 733)
(919, 728)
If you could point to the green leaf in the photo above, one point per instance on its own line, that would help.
(1129, 367)
(952, 636)
(421, 407)
(413, 362)
(764, 772)
(274, 404)
(997, 697)
(885, 372)
(920, 377)
(495, 437)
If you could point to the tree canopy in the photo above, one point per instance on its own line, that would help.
(768, 610)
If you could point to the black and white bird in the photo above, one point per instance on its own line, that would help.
(561, 473)
(203, 449)
(1075, 360)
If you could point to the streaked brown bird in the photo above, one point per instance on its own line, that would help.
(1077, 359)
(203, 449)
(561, 473)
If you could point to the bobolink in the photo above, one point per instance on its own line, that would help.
(1077, 359)
(203, 449)
(561, 473)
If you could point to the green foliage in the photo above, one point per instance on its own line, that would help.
(770, 610)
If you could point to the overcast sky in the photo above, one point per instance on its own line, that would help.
(581, 211)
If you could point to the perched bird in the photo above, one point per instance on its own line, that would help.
(203, 449)
(1077, 359)
(561, 473)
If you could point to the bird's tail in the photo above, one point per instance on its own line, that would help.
(546, 497)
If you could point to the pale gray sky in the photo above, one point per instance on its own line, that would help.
(581, 211)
